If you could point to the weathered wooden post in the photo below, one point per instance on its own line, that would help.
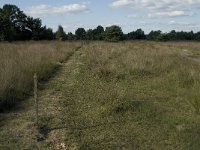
(36, 98)
(82, 43)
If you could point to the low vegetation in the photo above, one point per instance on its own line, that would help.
(19, 61)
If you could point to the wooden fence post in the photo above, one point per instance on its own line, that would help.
(36, 98)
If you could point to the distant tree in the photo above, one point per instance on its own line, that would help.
(15, 25)
(13, 22)
(46, 33)
(90, 34)
(190, 35)
(138, 34)
(155, 35)
(98, 33)
(130, 36)
(113, 33)
(34, 25)
(197, 36)
(172, 35)
(100, 29)
(60, 33)
(2, 25)
(71, 36)
(185, 35)
(80, 34)
(125, 37)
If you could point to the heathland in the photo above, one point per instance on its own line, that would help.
(126, 95)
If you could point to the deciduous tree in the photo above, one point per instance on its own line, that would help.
(60, 33)
(113, 33)
(80, 34)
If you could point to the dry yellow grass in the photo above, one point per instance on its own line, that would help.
(175, 66)
(19, 61)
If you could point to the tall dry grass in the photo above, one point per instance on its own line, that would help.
(19, 61)
(173, 66)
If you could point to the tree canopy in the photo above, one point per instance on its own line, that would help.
(138, 34)
(113, 33)
(16, 25)
(80, 34)
(60, 33)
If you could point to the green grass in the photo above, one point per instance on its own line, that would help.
(132, 95)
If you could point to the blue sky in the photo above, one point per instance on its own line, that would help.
(149, 15)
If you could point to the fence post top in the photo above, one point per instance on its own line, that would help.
(35, 75)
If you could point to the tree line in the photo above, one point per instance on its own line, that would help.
(15, 25)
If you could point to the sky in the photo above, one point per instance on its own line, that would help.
(165, 15)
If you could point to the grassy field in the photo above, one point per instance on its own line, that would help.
(19, 61)
(128, 95)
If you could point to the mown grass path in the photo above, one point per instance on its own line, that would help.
(53, 110)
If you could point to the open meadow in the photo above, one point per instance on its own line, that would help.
(128, 95)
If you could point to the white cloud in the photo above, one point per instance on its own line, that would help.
(169, 8)
(170, 14)
(121, 3)
(42, 10)
(186, 24)
(172, 22)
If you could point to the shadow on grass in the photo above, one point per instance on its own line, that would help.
(44, 130)
(84, 127)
